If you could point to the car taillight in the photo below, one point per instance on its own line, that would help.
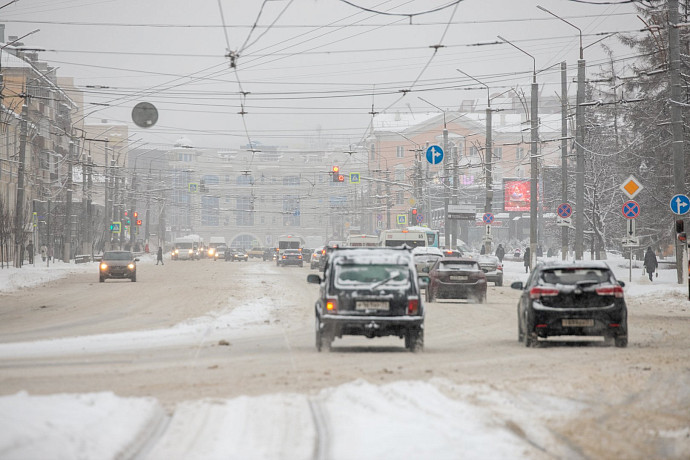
(284, 257)
(323, 251)
(300, 256)
(499, 267)
(331, 305)
(615, 291)
(537, 292)
(412, 306)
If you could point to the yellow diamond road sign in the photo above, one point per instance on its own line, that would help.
(631, 186)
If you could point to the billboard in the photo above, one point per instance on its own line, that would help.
(516, 194)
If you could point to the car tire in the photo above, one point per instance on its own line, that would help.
(318, 335)
(521, 334)
(621, 341)
(499, 282)
(530, 336)
(414, 340)
(101, 279)
(134, 279)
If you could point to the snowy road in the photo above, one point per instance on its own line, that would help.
(216, 360)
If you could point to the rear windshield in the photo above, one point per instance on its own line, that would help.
(118, 256)
(389, 275)
(576, 276)
(458, 265)
(184, 245)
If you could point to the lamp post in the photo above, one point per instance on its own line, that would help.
(488, 160)
(534, 119)
(579, 145)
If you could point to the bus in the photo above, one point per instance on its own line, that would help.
(398, 237)
(432, 236)
(362, 240)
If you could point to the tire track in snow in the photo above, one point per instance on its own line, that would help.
(321, 430)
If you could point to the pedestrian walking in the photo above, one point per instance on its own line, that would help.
(30, 252)
(500, 252)
(526, 259)
(482, 251)
(650, 262)
(44, 252)
(159, 256)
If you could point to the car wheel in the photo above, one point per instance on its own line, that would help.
(134, 279)
(499, 282)
(414, 340)
(621, 342)
(530, 336)
(101, 279)
(317, 330)
(521, 334)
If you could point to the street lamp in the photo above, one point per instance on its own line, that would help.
(579, 146)
(534, 118)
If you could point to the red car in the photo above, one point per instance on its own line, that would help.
(456, 278)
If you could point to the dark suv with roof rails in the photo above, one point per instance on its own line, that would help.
(370, 292)
(572, 299)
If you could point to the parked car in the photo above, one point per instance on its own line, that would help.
(290, 257)
(316, 257)
(576, 298)
(370, 292)
(236, 255)
(456, 278)
(118, 264)
(492, 268)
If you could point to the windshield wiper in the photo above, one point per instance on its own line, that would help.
(390, 278)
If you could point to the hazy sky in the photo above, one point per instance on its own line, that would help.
(309, 67)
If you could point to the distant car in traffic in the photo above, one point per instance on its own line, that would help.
(236, 255)
(572, 299)
(370, 292)
(492, 268)
(425, 258)
(315, 258)
(456, 278)
(219, 252)
(118, 264)
(290, 257)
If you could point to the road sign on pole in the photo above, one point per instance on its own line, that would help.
(402, 219)
(488, 218)
(434, 154)
(631, 187)
(680, 204)
(354, 178)
(564, 210)
(631, 209)
(631, 228)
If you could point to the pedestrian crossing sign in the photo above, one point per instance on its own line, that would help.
(402, 219)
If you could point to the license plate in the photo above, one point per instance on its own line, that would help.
(458, 278)
(369, 305)
(578, 322)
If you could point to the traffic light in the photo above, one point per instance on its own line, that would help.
(413, 216)
(126, 214)
(335, 172)
(680, 226)
(135, 214)
(138, 221)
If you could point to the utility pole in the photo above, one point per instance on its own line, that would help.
(676, 119)
(564, 154)
(19, 208)
(534, 124)
(67, 246)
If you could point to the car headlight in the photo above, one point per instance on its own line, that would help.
(177, 251)
(191, 251)
(210, 252)
(131, 266)
(104, 266)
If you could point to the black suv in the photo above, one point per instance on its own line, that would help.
(568, 299)
(372, 292)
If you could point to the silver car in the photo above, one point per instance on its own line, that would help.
(492, 268)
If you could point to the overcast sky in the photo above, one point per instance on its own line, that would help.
(310, 67)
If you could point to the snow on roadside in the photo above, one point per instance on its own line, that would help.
(421, 420)
(12, 279)
(69, 426)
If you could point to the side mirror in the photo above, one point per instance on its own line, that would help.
(313, 279)
(621, 283)
(136, 260)
(517, 285)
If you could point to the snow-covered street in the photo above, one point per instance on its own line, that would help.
(231, 372)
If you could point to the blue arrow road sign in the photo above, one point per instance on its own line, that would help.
(434, 154)
(680, 204)
(564, 210)
(488, 218)
(631, 209)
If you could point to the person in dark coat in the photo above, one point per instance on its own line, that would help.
(526, 259)
(500, 252)
(650, 262)
(159, 256)
(30, 252)
(482, 251)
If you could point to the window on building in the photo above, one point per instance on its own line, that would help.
(399, 198)
(400, 151)
(244, 211)
(519, 153)
(498, 153)
(291, 211)
(291, 181)
(245, 180)
(210, 211)
(372, 152)
(474, 151)
(399, 173)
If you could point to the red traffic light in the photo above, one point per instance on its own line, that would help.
(414, 211)
(335, 169)
(341, 178)
(138, 221)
